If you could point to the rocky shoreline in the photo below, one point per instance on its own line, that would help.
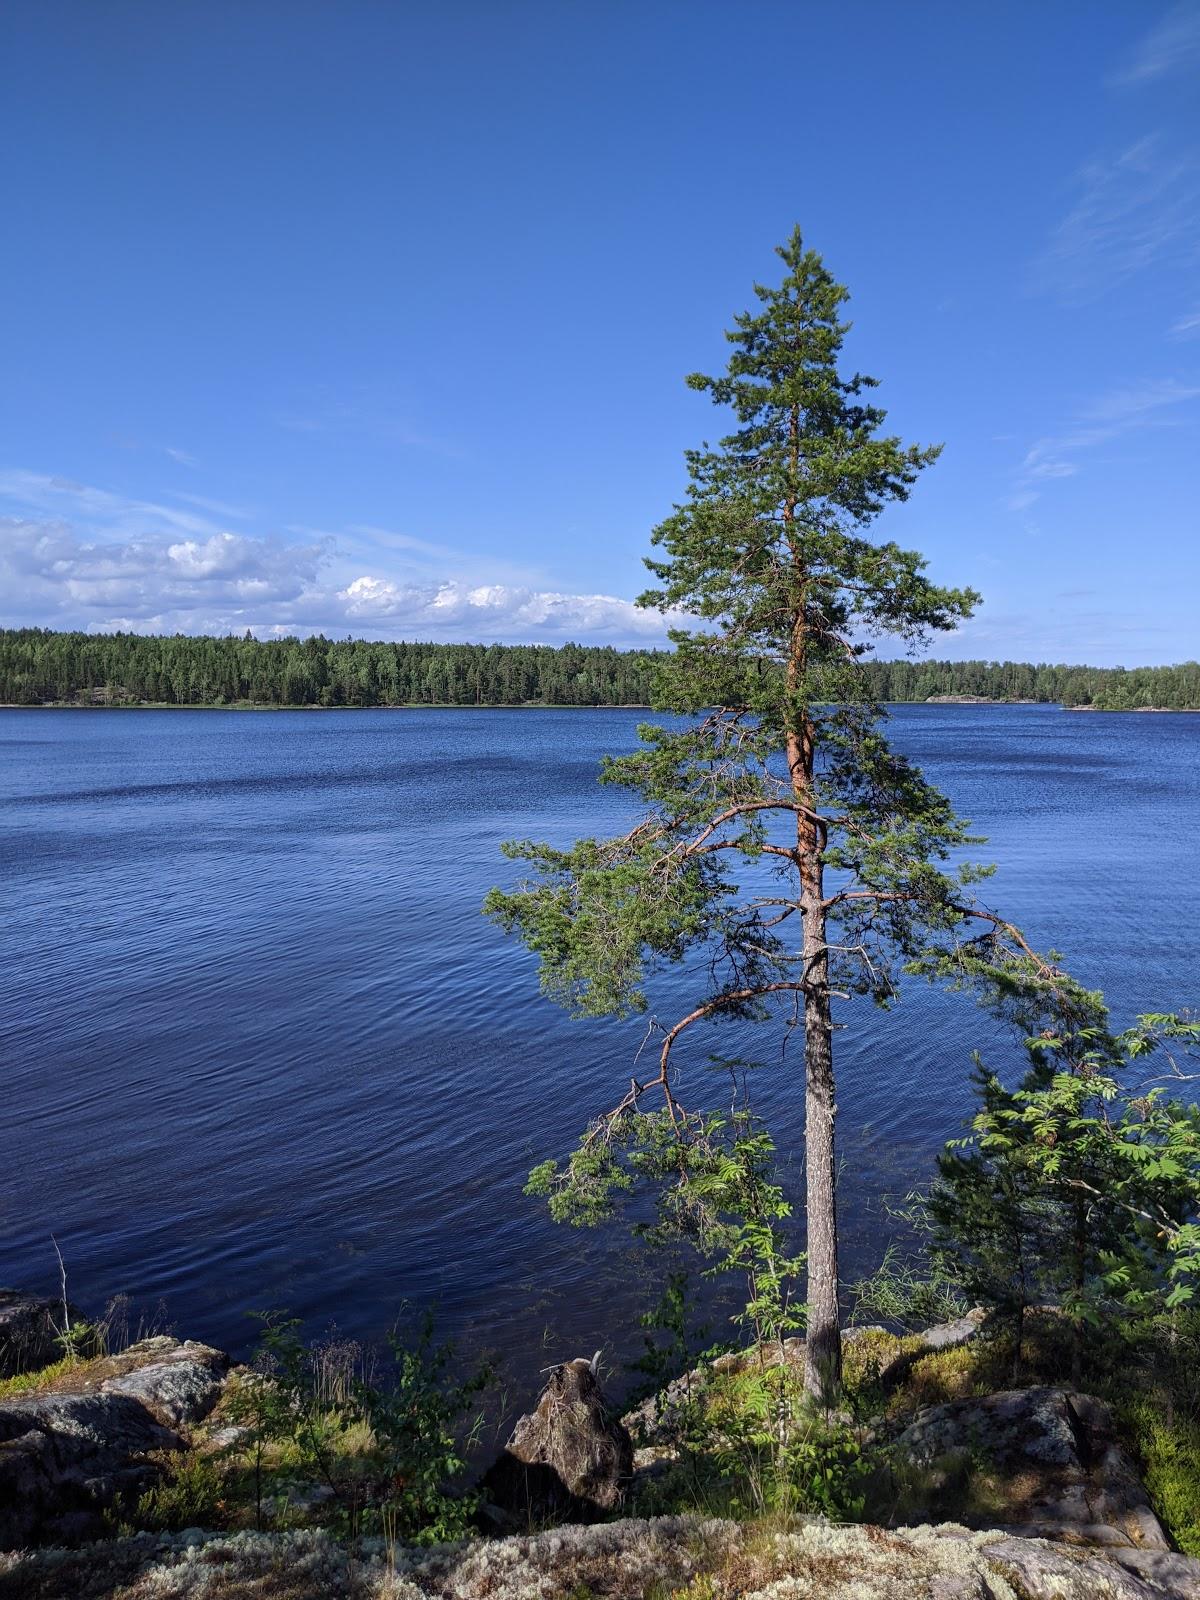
(1071, 1519)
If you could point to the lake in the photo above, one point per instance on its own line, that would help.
(260, 1048)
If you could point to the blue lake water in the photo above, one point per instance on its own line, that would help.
(259, 1047)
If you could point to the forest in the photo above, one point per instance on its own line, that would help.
(39, 666)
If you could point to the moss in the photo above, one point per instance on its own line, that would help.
(1168, 1449)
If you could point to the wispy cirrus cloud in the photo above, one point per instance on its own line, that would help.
(363, 419)
(1172, 45)
(1133, 210)
(1119, 411)
(102, 510)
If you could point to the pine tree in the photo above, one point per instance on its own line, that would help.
(783, 768)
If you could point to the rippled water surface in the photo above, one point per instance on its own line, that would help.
(259, 1047)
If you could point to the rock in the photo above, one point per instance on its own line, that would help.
(945, 1335)
(1052, 1458)
(179, 1383)
(654, 1423)
(1041, 1572)
(63, 1457)
(227, 1438)
(29, 1328)
(942, 1336)
(621, 1560)
(67, 1454)
(569, 1458)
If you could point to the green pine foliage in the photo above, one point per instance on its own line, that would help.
(787, 855)
(39, 666)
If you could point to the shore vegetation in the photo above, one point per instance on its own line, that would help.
(39, 666)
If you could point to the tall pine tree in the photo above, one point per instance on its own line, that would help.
(785, 843)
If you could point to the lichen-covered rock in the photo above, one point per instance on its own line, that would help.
(569, 1458)
(620, 1560)
(29, 1331)
(1051, 1454)
(68, 1453)
(179, 1383)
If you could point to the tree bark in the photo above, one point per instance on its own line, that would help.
(823, 1338)
(823, 1346)
(823, 1341)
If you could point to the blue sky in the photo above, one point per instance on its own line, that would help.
(373, 318)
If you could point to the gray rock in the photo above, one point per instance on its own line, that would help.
(1042, 1573)
(1055, 1454)
(570, 1457)
(67, 1454)
(655, 1422)
(29, 1330)
(945, 1335)
(63, 1457)
(179, 1383)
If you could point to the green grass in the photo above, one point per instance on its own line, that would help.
(44, 1378)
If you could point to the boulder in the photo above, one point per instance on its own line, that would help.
(570, 1458)
(177, 1383)
(1050, 1462)
(30, 1325)
(67, 1453)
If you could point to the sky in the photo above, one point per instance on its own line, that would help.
(372, 318)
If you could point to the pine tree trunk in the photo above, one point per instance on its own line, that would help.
(823, 1348)
(823, 1338)
(823, 1343)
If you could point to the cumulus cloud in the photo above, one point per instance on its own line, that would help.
(53, 576)
(496, 610)
(142, 566)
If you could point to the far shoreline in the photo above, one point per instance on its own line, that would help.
(953, 702)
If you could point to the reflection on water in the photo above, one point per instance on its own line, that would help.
(259, 1047)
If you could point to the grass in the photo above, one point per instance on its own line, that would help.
(42, 1381)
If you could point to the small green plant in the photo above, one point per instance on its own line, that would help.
(1168, 1447)
(420, 1418)
(190, 1494)
(673, 1314)
(389, 1449)
(778, 1454)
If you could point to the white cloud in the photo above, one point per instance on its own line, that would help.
(1119, 407)
(1186, 327)
(1133, 210)
(99, 509)
(54, 577)
(1171, 46)
(81, 557)
(496, 610)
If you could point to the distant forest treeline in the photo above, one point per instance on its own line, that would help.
(39, 666)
